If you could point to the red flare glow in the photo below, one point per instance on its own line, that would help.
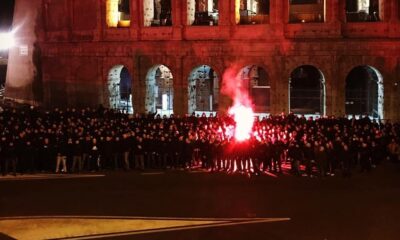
(236, 88)
(244, 118)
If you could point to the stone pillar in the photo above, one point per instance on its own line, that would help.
(24, 78)
(282, 86)
(178, 10)
(333, 9)
(342, 11)
(180, 89)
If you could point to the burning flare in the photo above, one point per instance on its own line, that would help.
(242, 110)
(244, 118)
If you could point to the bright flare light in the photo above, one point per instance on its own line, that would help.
(244, 118)
(6, 41)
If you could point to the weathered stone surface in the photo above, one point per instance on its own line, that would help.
(71, 51)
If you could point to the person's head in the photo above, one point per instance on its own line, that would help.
(345, 147)
(364, 145)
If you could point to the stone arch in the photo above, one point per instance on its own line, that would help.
(159, 90)
(202, 12)
(157, 13)
(118, 13)
(119, 86)
(364, 10)
(252, 12)
(258, 83)
(314, 12)
(203, 90)
(365, 92)
(307, 91)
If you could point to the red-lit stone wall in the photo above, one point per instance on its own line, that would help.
(78, 50)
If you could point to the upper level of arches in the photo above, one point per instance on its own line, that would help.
(216, 19)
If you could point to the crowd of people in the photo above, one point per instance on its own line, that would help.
(87, 140)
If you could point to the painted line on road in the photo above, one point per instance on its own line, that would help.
(97, 227)
(48, 177)
(152, 173)
(135, 218)
(214, 225)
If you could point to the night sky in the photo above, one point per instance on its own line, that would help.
(6, 14)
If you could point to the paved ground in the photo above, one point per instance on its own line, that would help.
(367, 206)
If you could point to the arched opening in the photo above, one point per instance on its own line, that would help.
(252, 11)
(307, 91)
(157, 13)
(256, 79)
(118, 13)
(160, 90)
(203, 90)
(364, 10)
(120, 89)
(202, 12)
(306, 11)
(364, 92)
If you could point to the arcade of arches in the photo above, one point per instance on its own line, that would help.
(306, 91)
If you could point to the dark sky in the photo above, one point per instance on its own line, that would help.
(6, 14)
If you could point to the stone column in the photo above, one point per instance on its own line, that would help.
(180, 89)
(24, 80)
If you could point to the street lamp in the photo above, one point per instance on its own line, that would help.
(7, 40)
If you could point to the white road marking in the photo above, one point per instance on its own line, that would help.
(222, 224)
(136, 225)
(152, 173)
(48, 177)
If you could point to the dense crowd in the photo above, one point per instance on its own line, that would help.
(86, 140)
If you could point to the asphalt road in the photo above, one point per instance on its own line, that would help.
(366, 206)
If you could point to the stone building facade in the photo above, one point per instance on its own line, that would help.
(67, 48)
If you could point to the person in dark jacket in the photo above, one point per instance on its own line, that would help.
(77, 156)
(61, 151)
(139, 153)
(365, 157)
(321, 158)
(10, 157)
(28, 157)
(345, 156)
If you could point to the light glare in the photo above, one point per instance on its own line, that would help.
(6, 41)
(244, 118)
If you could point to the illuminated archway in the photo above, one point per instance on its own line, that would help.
(203, 89)
(159, 90)
(307, 91)
(307, 11)
(118, 13)
(252, 11)
(257, 81)
(364, 10)
(157, 13)
(202, 12)
(120, 89)
(364, 92)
